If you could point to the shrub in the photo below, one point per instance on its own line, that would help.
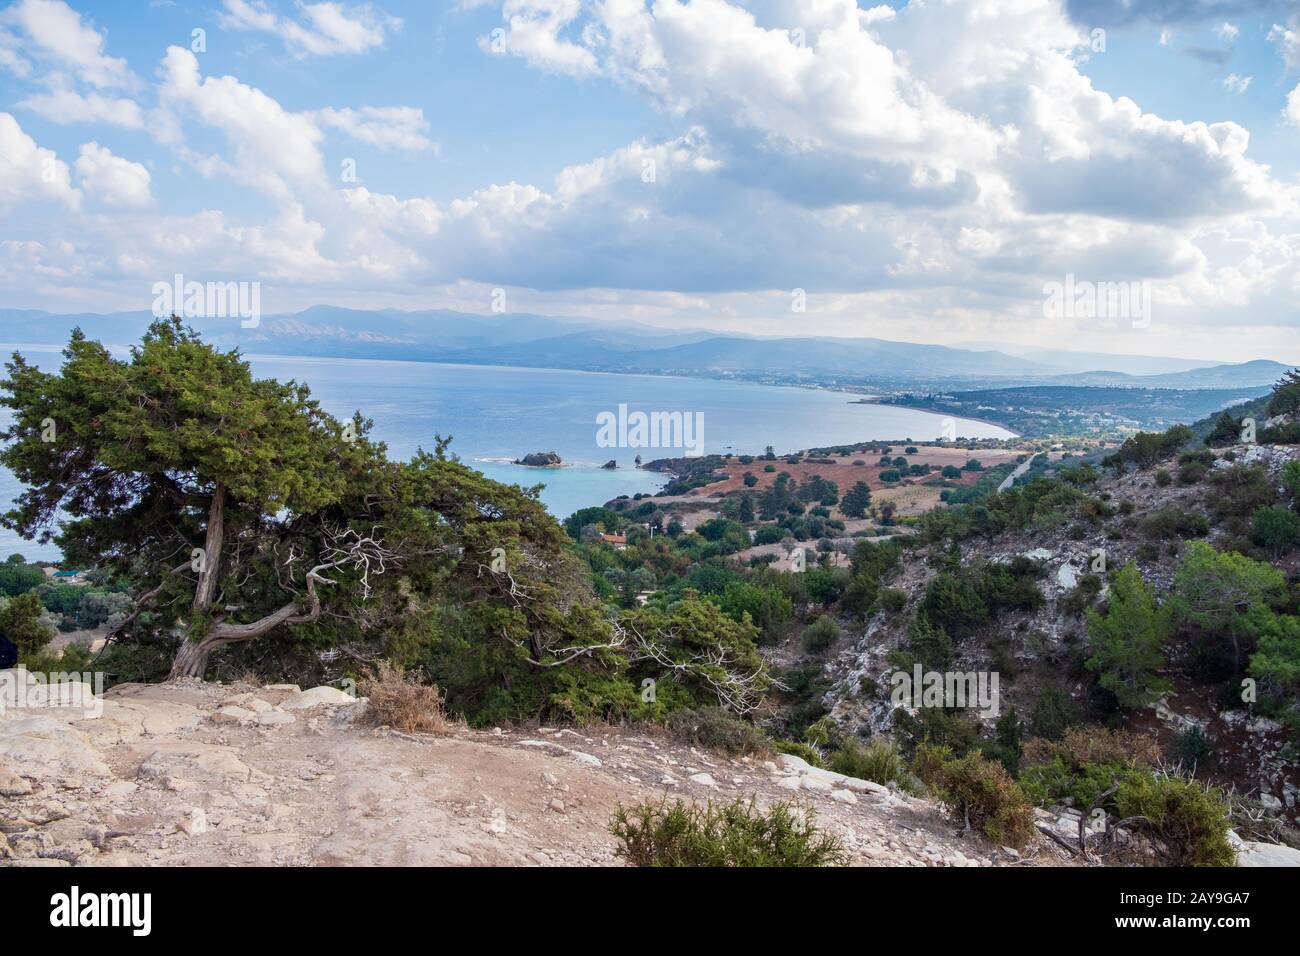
(1275, 529)
(979, 792)
(1172, 523)
(951, 602)
(878, 761)
(717, 729)
(1188, 817)
(1192, 746)
(722, 834)
(404, 702)
(1053, 714)
(892, 600)
(1096, 745)
(1163, 477)
(820, 634)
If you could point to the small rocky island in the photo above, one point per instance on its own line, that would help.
(540, 459)
(610, 465)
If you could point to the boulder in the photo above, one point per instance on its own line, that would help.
(47, 748)
(540, 459)
(1267, 854)
(316, 697)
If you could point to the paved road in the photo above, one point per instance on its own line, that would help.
(1010, 479)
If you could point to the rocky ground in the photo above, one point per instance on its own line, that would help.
(206, 774)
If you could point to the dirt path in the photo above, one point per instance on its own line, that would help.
(165, 776)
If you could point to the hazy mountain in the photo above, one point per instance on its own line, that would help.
(1066, 361)
(1258, 373)
(442, 335)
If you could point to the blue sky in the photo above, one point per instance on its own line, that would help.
(919, 170)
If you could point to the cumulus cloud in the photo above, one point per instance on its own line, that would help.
(1237, 84)
(323, 29)
(270, 148)
(30, 173)
(55, 34)
(114, 181)
(934, 164)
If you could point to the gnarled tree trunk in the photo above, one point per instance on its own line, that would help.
(211, 566)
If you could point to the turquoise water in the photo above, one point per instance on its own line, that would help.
(496, 414)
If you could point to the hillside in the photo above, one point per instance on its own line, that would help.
(243, 775)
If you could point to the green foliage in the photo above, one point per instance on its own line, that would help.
(1172, 523)
(18, 577)
(601, 518)
(1127, 643)
(1276, 662)
(1053, 713)
(979, 791)
(1285, 399)
(713, 658)
(929, 643)
(722, 835)
(1188, 817)
(1239, 491)
(1147, 448)
(1222, 601)
(953, 603)
(1275, 529)
(767, 608)
(856, 500)
(21, 621)
(878, 761)
(717, 729)
(820, 634)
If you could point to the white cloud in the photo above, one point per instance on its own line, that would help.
(1287, 39)
(69, 106)
(115, 181)
(1237, 84)
(1227, 31)
(323, 30)
(1293, 106)
(56, 33)
(385, 127)
(271, 149)
(534, 34)
(31, 173)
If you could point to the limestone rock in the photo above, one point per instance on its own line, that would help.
(49, 748)
(316, 697)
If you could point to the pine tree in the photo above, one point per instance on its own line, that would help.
(1128, 642)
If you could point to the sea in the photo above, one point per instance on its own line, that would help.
(495, 415)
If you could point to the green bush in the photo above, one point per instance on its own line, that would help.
(878, 761)
(820, 634)
(717, 729)
(978, 791)
(722, 834)
(1188, 817)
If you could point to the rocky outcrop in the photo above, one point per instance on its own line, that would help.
(540, 459)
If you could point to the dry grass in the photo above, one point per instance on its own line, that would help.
(404, 702)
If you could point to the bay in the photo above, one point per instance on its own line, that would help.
(496, 414)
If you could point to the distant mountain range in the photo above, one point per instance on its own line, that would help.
(440, 335)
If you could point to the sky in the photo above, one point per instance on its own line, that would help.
(919, 171)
